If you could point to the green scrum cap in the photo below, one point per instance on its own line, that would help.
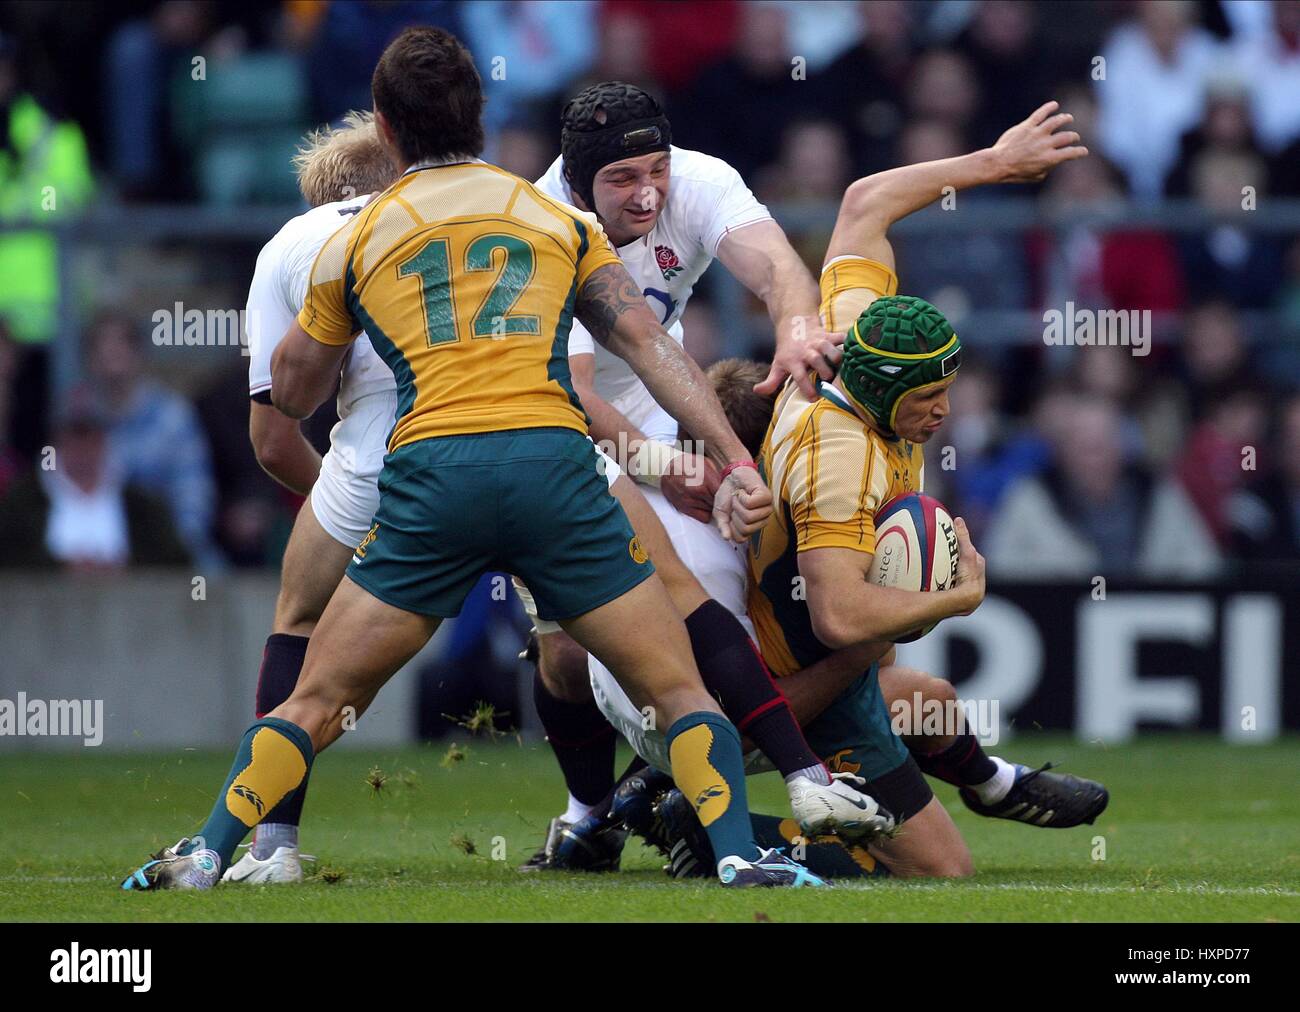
(899, 344)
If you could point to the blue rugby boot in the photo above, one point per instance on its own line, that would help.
(690, 854)
(771, 869)
(594, 843)
(169, 869)
(634, 806)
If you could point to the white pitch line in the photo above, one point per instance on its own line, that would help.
(898, 886)
(1039, 887)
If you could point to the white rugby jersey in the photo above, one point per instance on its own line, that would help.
(706, 200)
(277, 293)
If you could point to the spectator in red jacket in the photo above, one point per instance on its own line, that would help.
(1115, 268)
(677, 40)
(1221, 455)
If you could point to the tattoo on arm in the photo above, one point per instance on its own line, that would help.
(608, 294)
(612, 307)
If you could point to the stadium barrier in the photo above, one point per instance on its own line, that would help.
(1110, 660)
(133, 661)
(162, 668)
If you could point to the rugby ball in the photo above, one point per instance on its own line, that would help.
(916, 547)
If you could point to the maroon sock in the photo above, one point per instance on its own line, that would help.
(735, 674)
(963, 763)
(583, 742)
(281, 665)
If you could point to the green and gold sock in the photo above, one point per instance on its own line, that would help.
(271, 764)
(704, 749)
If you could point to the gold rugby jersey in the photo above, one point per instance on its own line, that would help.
(849, 285)
(464, 277)
(829, 472)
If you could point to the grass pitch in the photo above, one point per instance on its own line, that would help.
(1196, 830)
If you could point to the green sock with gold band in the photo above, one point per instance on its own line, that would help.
(704, 749)
(272, 763)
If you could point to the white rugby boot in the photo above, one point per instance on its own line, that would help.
(282, 867)
(838, 808)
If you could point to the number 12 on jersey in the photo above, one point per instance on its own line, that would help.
(493, 318)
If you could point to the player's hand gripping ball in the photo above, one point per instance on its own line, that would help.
(916, 548)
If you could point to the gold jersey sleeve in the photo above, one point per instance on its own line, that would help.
(465, 279)
(849, 284)
(325, 315)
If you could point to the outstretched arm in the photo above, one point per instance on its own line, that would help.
(761, 258)
(810, 690)
(1024, 154)
(611, 306)
(688, 482)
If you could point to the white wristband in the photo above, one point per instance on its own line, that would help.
(652, 461)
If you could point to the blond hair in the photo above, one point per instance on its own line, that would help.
(339, 163)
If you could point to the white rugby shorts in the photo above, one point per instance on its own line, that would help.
(346, 495)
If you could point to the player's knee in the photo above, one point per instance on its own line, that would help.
(939, 689)
(296, 614)
(947, 862)
(562, 665)
(906, 683)
(951, 857)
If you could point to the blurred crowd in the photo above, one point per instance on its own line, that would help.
(1064, 460)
